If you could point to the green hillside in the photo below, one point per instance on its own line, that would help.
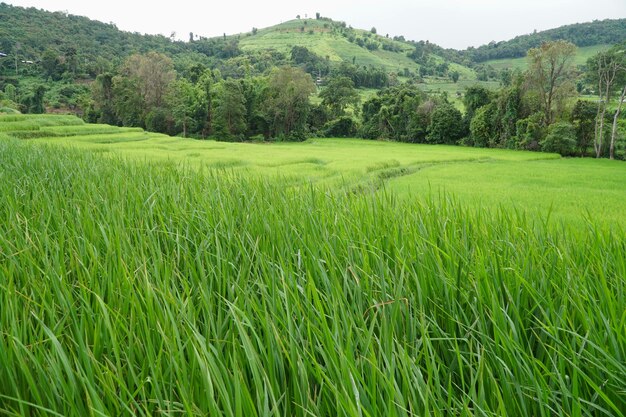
(582, 55)
(333, 41)
(598, 32)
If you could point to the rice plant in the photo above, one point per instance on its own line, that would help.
(151, 289)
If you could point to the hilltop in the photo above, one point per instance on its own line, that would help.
(334, 41)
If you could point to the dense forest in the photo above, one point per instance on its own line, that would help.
(214, 88)
(599, 32)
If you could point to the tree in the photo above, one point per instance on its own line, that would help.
(454, 76)
(102, 95)
(206, 83)
(483, 126)
(618, 111)
(583, 119)
(141, 86)
(287, 105)
(338, 94)
(474, 98)
(183, 100)
(561, 139)
(608, 71)
(51, 64)
(153, 73)
(35, 101)
(550, 75)
(230, 110)
(446, 125)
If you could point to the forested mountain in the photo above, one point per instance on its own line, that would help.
(599, 32)
(81, 44)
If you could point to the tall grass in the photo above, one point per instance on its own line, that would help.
(130, 289)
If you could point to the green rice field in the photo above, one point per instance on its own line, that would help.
(144, 275)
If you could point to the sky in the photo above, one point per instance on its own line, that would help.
(449, 23)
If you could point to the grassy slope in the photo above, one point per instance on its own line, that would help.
(568, 188)
(582, 55)
(325, 43)
(144, 289)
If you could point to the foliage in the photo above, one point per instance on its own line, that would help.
(230, 110)
(367, 77)
(607, 70)
(288, 103)
(583, 119)
(474, 98)
(446, 125)
(338, 94)
(483, 127)
(393, 114)
(530, 131)
(561, 139)
(137, 288)
(309, 61)
(598, 32)
(343, 127)
(550, 76)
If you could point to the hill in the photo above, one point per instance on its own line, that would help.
(335, 42)
(83, 45)
(599, 32)
(582, 55)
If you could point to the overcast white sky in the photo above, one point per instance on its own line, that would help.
(449, 23)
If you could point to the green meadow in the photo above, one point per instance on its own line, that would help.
(568, 189)
(581, 57)
(145, 275)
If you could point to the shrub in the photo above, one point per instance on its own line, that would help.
(561, 139)
(343, 127)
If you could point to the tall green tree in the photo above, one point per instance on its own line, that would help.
(102, 95)
(140, 88)
(583, 118)
(446, 125)
(550, 75)
(287, 105)
(206, 82)
(52, 65)
(230, 110)
(340, 93)
(153, 72)
(184, 100)
(34, 102)
(475, 97)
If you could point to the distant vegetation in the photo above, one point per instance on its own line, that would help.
(318, 77)
(599, 32)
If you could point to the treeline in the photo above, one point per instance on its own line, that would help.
(599, 32)
(147, 92)
(536, 110)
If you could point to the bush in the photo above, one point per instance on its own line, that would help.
(529, 132)
(561, 139)
(343, 127)
(158, 120)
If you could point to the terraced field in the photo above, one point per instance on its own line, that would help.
(143, 275)
(542, 184)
